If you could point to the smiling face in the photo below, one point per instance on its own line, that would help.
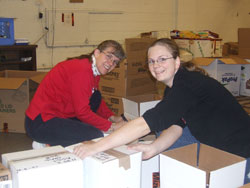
(105, 60)
(162, 64)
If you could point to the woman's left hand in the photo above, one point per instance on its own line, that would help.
(116, 119)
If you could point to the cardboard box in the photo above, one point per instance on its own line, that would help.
(16, 90)
(150, 171)
(5, 177)
(230, 48)
(178, 168)
(114, 103)
(245, 80)
(244, 42)
(46, 167)
(201, 47)
(246, 186)
(135, 106)
(226, 70)
(118, 167)
(136, 52)
(122, 85)
(132, 76)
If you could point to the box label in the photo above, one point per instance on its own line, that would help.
(6, 108)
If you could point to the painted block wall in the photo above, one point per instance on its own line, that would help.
(117, 19)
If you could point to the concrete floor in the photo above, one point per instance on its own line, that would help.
(12, 142)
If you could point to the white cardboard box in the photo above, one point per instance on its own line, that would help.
(5, 177)
(201, 47)
(135, 106)
(245, 80)
(226, 70)
(114, 168)
(150, 169)
(216, 169)
(47, 167)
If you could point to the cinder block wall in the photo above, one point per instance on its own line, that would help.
(97, 20)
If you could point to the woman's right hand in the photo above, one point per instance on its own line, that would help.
(84, 149)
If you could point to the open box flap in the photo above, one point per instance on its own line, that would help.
(130, 107)
(134, 105)
(186, 154)
(219, 177)
(11, 83)
(233, 60)
(38, 78)
(146, 106)
(208, 155)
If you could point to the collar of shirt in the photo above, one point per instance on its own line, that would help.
(94, 67)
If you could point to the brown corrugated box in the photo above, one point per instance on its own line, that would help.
(132, 76)
(244, 42)
(16, 90)
(114, 103)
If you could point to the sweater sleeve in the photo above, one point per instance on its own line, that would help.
(81, 87)
(171, 110)
(104, 111)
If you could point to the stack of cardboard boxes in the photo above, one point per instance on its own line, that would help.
(233, 70)
(16, 90)
(130, 78)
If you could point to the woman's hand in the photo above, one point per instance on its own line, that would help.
(115, 126)
(85, 149)
(116, 119)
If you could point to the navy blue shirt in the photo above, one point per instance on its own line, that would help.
(211, 112)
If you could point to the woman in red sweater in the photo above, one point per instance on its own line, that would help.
(67, 107)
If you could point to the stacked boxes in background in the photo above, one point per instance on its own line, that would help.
(199, 44)
(244, 42)
(226, 70)
(16, 90)
(244, 52)
(240, 51)
(201, 47)
(131, 77)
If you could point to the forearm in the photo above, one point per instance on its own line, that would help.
(167, 138)
(127, 133)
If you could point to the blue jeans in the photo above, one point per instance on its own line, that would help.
(247, 173)
(187, 138)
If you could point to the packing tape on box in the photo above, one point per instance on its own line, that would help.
(124, 159)
(4, 173)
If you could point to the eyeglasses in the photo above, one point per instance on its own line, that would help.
(111, 57)
(160, 60)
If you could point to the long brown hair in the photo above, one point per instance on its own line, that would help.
(190, 66)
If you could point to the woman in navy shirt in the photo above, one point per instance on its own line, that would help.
(191, 99)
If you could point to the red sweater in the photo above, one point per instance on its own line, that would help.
(65, 92)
